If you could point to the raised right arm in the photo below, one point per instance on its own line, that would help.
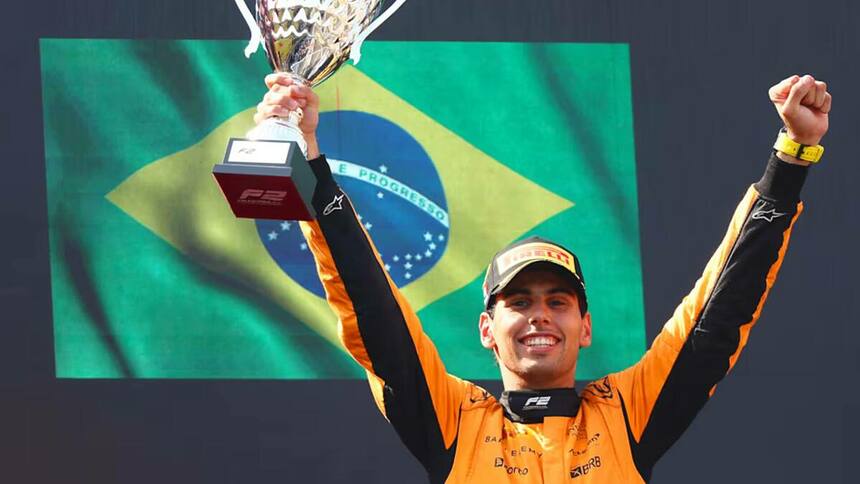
(381, 331)
(376, 324)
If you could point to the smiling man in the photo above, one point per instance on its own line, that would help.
(537, 320)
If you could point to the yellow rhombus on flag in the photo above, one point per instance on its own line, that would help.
(177, 198)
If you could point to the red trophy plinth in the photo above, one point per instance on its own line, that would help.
(266, 180)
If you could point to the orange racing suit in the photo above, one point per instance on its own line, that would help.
(620, 425)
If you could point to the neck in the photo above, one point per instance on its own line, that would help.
(514, 382)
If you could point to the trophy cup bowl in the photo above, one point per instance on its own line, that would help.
(265, 175)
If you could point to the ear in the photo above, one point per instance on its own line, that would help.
(485, 329)
(585, 331)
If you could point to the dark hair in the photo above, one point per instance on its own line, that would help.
(491, 306)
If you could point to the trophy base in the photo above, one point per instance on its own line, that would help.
(266, 180)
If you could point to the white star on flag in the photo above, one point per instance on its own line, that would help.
(408, 256)
(383, 169)
(418, 257)
(379, 195)
(427, 253)
(368, 225)
(432, 246)
(441, 237)
(428, 236)
(273, 235)
(407, 266)
(285, 226)
(408, 276)
(395, 258)
(304, 246)
(387, 267)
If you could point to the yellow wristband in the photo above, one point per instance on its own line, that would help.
(790, 147)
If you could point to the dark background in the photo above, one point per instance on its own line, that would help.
(700, 71)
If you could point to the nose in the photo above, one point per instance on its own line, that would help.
(540, 314)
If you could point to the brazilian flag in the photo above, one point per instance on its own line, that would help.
(449, 150)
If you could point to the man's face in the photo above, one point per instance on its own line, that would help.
(536, 330)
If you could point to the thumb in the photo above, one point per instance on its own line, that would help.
(798, 91)
(779, 92)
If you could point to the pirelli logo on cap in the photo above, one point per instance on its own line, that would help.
(535, 251)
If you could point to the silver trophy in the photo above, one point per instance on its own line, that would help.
(309, 40)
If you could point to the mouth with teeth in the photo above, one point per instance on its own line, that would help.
(539, 343)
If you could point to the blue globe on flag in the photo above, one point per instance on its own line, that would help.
(395, 189)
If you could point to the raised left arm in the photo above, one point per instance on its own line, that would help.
(699, 345)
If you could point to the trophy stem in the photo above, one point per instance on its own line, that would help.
(280, 129)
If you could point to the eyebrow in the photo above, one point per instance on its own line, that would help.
(526, 292)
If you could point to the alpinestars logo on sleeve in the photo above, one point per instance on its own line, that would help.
(768, 215)
(336, 204)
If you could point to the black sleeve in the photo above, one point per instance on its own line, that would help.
(382, 332)
(702, 341)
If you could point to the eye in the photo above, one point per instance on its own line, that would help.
(558, 302)
(519, 303)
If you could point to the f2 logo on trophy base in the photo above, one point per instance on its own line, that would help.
(254, 194)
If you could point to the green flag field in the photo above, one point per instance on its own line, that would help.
(449, 151)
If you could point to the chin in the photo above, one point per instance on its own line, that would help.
(539, 371)
(544, 371)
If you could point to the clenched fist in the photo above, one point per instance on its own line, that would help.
(285, 96)
(803, 104)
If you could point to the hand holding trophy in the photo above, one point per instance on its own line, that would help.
(266, 176)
